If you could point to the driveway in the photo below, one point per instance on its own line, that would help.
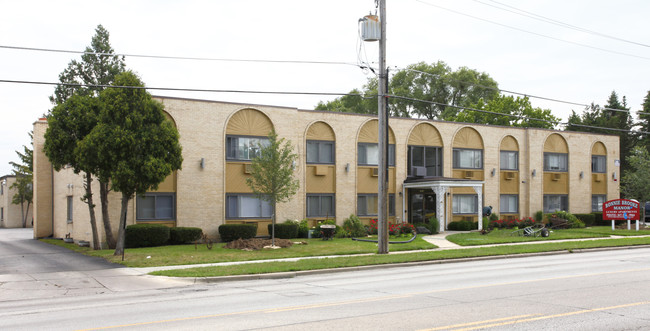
(32, 269)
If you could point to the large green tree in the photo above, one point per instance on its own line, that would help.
(134, 140)
(644, 123)
(614, 118)
(272, 174)
(24, 178)
(635, 181)
(68, 124)
(436, 85)
(518, 112)
(98, 67)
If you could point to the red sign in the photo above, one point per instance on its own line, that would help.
(621, 210)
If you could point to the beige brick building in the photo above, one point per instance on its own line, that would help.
(11, 214)
(445, 169)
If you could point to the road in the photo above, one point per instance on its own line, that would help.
(605, 290)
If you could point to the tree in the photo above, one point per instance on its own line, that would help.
(98, 67)
(24, 177)
(134, 141)
(435, 84)
(614, 115)
(644, 122)
(68, 124)
(635, 181)
(272, 174)
(521, 113)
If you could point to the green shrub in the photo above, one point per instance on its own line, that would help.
(486, 222)
(539, 217)
(434, 225)
(146, 235)
(184, 235)
(598, 219)
(303, 229)
(574, 222)
(286, 230)
(353, 227)
(588, 219)
(230, 232)
(493, 217)
(462, 226)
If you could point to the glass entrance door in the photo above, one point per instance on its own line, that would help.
(422, 205)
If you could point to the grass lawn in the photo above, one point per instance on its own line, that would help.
(188, 254)
(340, 262)
(510, 236)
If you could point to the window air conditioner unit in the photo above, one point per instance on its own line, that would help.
(320, 170)
(597, 177)
(510, 175)
(469, 174)
(375, 172)
(418, 171)
(248, 168)
(556, 177)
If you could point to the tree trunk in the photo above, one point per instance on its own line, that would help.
(273, 225)
(108, 230)
(91, 211)
(121, 233)
(22, 212)
(27, 215)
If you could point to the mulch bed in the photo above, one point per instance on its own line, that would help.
(257, 244)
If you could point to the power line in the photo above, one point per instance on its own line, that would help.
(177, 57)
(176, 89)
(533, 33)
(307, 93)
(519, 93)
(534, 16)
(515, 116)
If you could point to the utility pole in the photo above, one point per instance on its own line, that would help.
(382, 192)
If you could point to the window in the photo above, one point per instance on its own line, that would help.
(69, 209)
(369, 154)
(465, 204)
(155, 206)
(367, 205)
(509, 160)
(597, 201)
(320, 152)
(320, 205)
(556, 162)
(509, 204)
(2, 214)
(599, 163)
(244, 148)
(247, 206)
(553, 203)
(424, 156)
(468, 158)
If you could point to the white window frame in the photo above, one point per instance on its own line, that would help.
(465, 158)
(69, 208)
(264, 208)
(465, 204)
(557, 205)
(319, 145)
(556, 162)
(363, 155)
(244, 148)
(156, 209)
(507, 157)
(505, 207)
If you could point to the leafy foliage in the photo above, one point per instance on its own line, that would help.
(24, 181)
(184, 235)
(635, 182)
(518, 112)
(353, 227)
(146, 235)
(230, 232)
(285, 230)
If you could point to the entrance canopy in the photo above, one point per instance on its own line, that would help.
(440, 186)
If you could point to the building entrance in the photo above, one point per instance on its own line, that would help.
(422, 205)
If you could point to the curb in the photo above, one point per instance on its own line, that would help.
(293, 274)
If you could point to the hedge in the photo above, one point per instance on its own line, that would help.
(462, 226)
(146, 235)
(588, 219)
(184, 235)
(287, 230)
(230, 232)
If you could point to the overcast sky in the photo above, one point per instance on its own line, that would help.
(521, 53)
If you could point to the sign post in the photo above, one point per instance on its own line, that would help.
(622, 210)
